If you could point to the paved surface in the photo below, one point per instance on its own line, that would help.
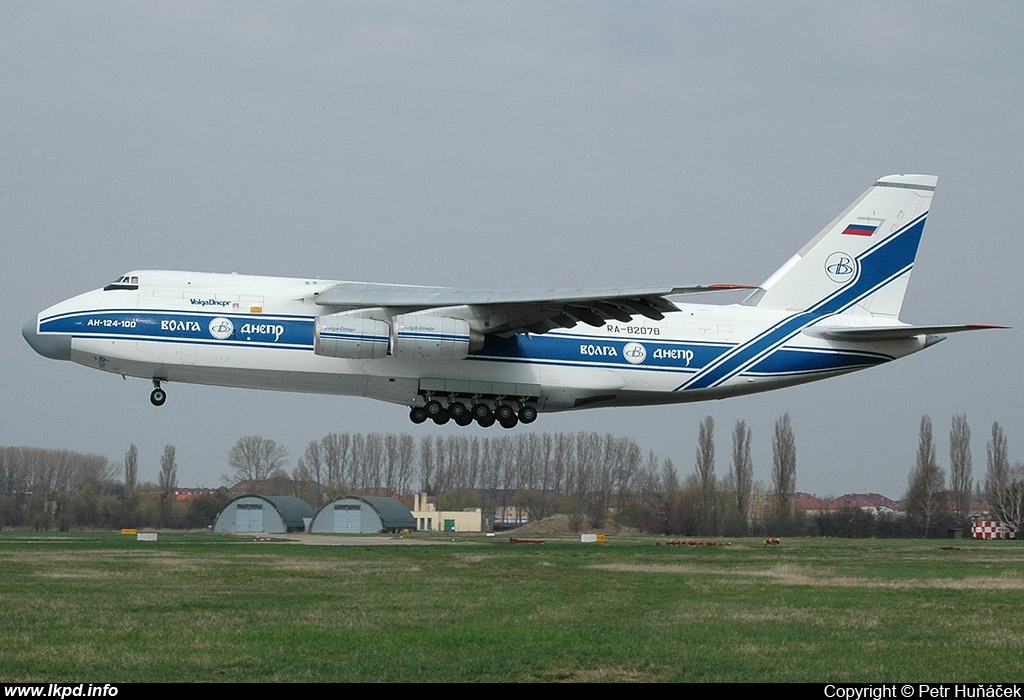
(364, 540)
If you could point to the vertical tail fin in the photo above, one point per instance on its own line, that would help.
(861, 262)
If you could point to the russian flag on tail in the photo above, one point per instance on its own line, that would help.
(860, 229)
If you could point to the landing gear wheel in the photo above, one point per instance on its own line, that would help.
(504, 413)
(527, 414)
(158, 397)
(434, 408)
(417, 414)
(509, 423)
(481, 412)
(442, 417)
(460, 414)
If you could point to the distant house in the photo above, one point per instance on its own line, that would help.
(871, 502)
(272, 514)
(191, 494)
(429, 519)
(809, 503)
(363, 514)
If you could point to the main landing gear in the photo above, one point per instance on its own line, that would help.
(158, 396)
(505, 414)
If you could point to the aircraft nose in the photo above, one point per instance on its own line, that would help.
(56, 347)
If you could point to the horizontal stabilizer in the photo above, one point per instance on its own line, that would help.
(875, 333)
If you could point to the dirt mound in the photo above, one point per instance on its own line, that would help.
(554, 524)
(563, 524)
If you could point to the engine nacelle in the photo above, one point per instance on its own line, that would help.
(350, 336)
(426, 337)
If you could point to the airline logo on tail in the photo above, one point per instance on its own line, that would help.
(840, 267)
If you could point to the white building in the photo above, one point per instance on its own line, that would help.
(429, 519)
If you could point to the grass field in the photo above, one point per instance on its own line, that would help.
(99, 607)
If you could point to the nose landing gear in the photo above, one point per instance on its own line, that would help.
(158, 396)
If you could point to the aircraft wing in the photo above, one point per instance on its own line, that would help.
(874, 333)
(508, 311)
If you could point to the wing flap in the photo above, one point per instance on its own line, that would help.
(369, 294)
(535, 311)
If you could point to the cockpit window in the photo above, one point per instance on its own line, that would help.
(125, 282)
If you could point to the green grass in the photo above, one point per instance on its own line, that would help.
(98, 607)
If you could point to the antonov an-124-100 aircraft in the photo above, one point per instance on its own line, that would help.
(486, 355)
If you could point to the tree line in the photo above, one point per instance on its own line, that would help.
(46, 489)
(590, 477)
(599, 480)
(932, 506)
(587, 475)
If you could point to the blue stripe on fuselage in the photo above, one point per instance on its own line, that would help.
(790, 360)
(565, 350)
(295, 332)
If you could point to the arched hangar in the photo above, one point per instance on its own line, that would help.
(363, 514)
(272, 514)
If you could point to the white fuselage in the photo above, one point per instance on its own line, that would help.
(258, 332)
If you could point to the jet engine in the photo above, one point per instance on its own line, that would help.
(353, 335)
(350, 336)
(427, 337)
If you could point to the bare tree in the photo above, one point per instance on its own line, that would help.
(997, 476)
(444, 459)
(783, 470)
(1011, 508)
(924, 499)
(668, 494)
(1004, 484)
(406, 454)
(561, 456)
(373, 461)
(36, 470)
(254, 458)
(705, 467)
(742, 470)
(168, 480)
(427, 464)
(334, 451)
(131, 470)
(960, 479)
(311, 466)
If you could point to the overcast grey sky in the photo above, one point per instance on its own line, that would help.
(497, 144)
